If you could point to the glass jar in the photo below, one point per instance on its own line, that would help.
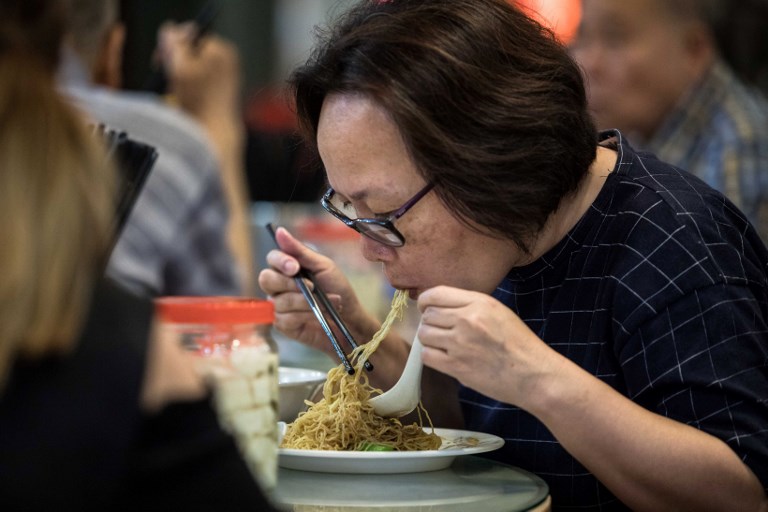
(232, 337)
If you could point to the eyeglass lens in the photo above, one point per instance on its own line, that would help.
(379, 232)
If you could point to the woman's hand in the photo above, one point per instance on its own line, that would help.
(293, 317)
(482, 343)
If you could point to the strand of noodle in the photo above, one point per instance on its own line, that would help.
(344, 420)
(363, 352)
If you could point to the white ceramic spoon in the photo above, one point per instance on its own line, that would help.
(404, 396)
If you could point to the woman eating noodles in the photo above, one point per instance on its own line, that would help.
(602, 311)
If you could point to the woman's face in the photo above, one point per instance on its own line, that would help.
(369, 167)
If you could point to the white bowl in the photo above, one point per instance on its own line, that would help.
(296, 385)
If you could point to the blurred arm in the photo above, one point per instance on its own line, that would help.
(205, 81)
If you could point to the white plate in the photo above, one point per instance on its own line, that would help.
(327, 461)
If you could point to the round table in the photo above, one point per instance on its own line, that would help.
(470, 483)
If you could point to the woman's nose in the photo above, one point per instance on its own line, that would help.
(375, 251)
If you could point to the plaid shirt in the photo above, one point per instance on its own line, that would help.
(719, 132)
(661, 291)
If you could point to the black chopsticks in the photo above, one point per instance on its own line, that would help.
(318, 312)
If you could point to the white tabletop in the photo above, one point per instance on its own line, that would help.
(470, 483)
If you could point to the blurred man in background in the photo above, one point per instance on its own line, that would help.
(188, 233)
(654, 71)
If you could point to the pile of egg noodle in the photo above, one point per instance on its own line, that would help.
(345, 420)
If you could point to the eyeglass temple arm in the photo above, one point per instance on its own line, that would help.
(415, 199)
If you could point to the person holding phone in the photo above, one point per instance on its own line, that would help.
(189, 233)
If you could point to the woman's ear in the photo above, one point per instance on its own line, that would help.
(108, 67)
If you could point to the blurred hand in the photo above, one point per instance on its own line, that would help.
(293, 317)
(204, 78)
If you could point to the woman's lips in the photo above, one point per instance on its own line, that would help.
(412, 292)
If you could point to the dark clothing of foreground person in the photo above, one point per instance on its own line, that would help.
(75, 438)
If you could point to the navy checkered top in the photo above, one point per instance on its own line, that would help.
(661, 291)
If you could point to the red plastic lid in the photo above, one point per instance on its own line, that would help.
(215, 310)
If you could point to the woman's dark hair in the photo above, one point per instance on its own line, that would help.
(491, 107)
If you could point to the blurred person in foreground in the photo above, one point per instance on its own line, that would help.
(99, 408)
(602, 311)
(189, 232)
(653, 70)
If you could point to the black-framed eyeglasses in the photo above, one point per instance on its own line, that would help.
(380, 230)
